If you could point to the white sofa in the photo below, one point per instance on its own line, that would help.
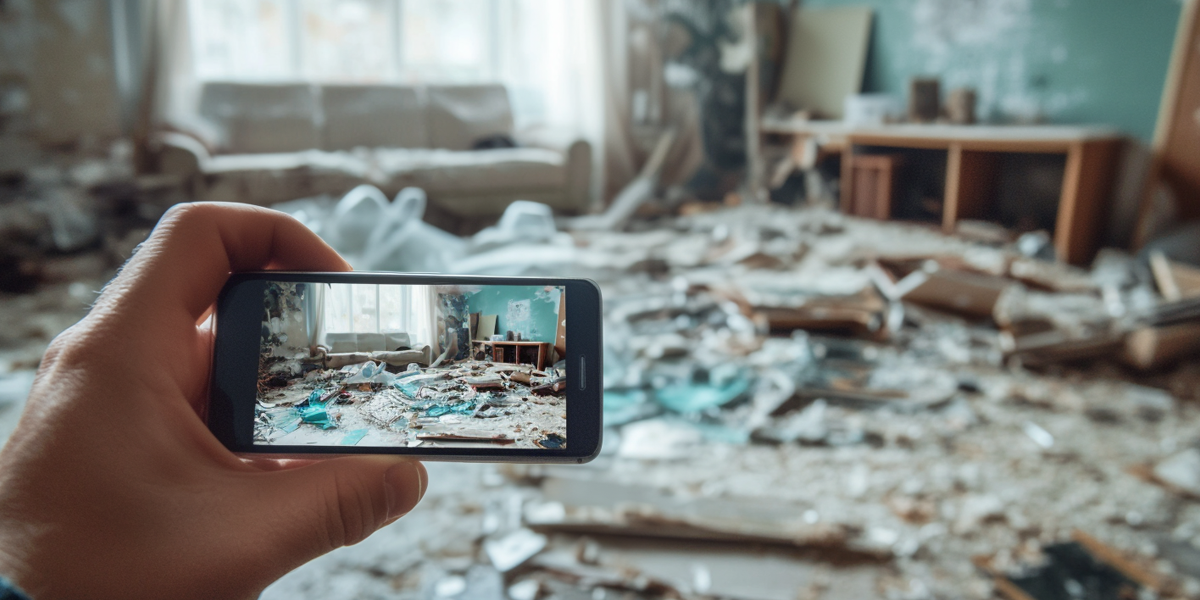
(268, 143)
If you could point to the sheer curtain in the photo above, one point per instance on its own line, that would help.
(314, 310)
(368, 308)
(565, 62)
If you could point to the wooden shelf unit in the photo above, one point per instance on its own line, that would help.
(972, 157)
(524, 352)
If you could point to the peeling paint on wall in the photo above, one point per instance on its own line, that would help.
(1062, 61)
(530, 310)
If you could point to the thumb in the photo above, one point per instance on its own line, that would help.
(339, 502)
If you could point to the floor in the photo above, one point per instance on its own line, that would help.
(908, 455)
(424, 407)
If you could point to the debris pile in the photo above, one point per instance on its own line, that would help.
(803, 405)
(797, 405)
(509, 404)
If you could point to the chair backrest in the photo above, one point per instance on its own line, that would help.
(460, 115)
(259, 118)
(374, 116)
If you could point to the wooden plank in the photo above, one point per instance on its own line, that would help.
(1154, 347)
(1085, 199)
(934, 143)
(1119, 561)
(846, 202)
(1057, 134)
(1176, 146)
(953, 185)
(971, 190)
(873, 177)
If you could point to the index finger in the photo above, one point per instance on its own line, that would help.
(178, 272)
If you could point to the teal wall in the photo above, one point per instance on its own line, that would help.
(1072, 61)
(542, 322)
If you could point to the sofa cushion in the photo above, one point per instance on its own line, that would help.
(374, 116)
(372, 342)
(259, 117)
(313, 160)
(472, 170)
(460, 115)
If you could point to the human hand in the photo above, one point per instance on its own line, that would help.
(112, 485)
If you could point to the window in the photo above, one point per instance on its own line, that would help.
(541, 50)
(366, 308)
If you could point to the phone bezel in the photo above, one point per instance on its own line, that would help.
(238, 331)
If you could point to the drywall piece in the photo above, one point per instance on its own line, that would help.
(826, 58)
(487, 327)
(722, 571)
(606, 508)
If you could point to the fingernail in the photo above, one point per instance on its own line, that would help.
(404, 486)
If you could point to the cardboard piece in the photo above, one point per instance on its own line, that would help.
(459, 434)
(971, 294)
(486, 327)
(826, 58)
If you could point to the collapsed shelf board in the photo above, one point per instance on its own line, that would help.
(972, 156)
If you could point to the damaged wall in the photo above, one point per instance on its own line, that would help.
(531, 310)
(1067, 61)
(57, 62)
(285, 326)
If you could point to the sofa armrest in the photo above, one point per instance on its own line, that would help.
(577, 158)
(579, 176)
(179, 154)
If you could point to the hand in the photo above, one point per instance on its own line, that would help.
(112, 485)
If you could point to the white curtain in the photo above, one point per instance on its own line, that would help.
(436, 324)
(314, 309)
(171, 86)
(565, 62)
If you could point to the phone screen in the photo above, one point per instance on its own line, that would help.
(389, 365)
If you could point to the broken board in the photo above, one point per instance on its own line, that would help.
(441, 433)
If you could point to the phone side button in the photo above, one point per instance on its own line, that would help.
(582, 373)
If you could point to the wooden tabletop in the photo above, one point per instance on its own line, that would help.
(943, 131)
(511, 342)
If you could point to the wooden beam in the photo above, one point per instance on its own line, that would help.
(970, 185)
(1086, 199)
(1180, 98)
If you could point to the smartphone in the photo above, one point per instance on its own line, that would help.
(462, 368)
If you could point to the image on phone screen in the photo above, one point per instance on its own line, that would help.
(399, 365)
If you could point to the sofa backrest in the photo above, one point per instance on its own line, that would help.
(290, 117)
(460, 115)
(374, 116)
(256, 118)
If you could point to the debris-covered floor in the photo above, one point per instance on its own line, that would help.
(470, 404)
(800, 405)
